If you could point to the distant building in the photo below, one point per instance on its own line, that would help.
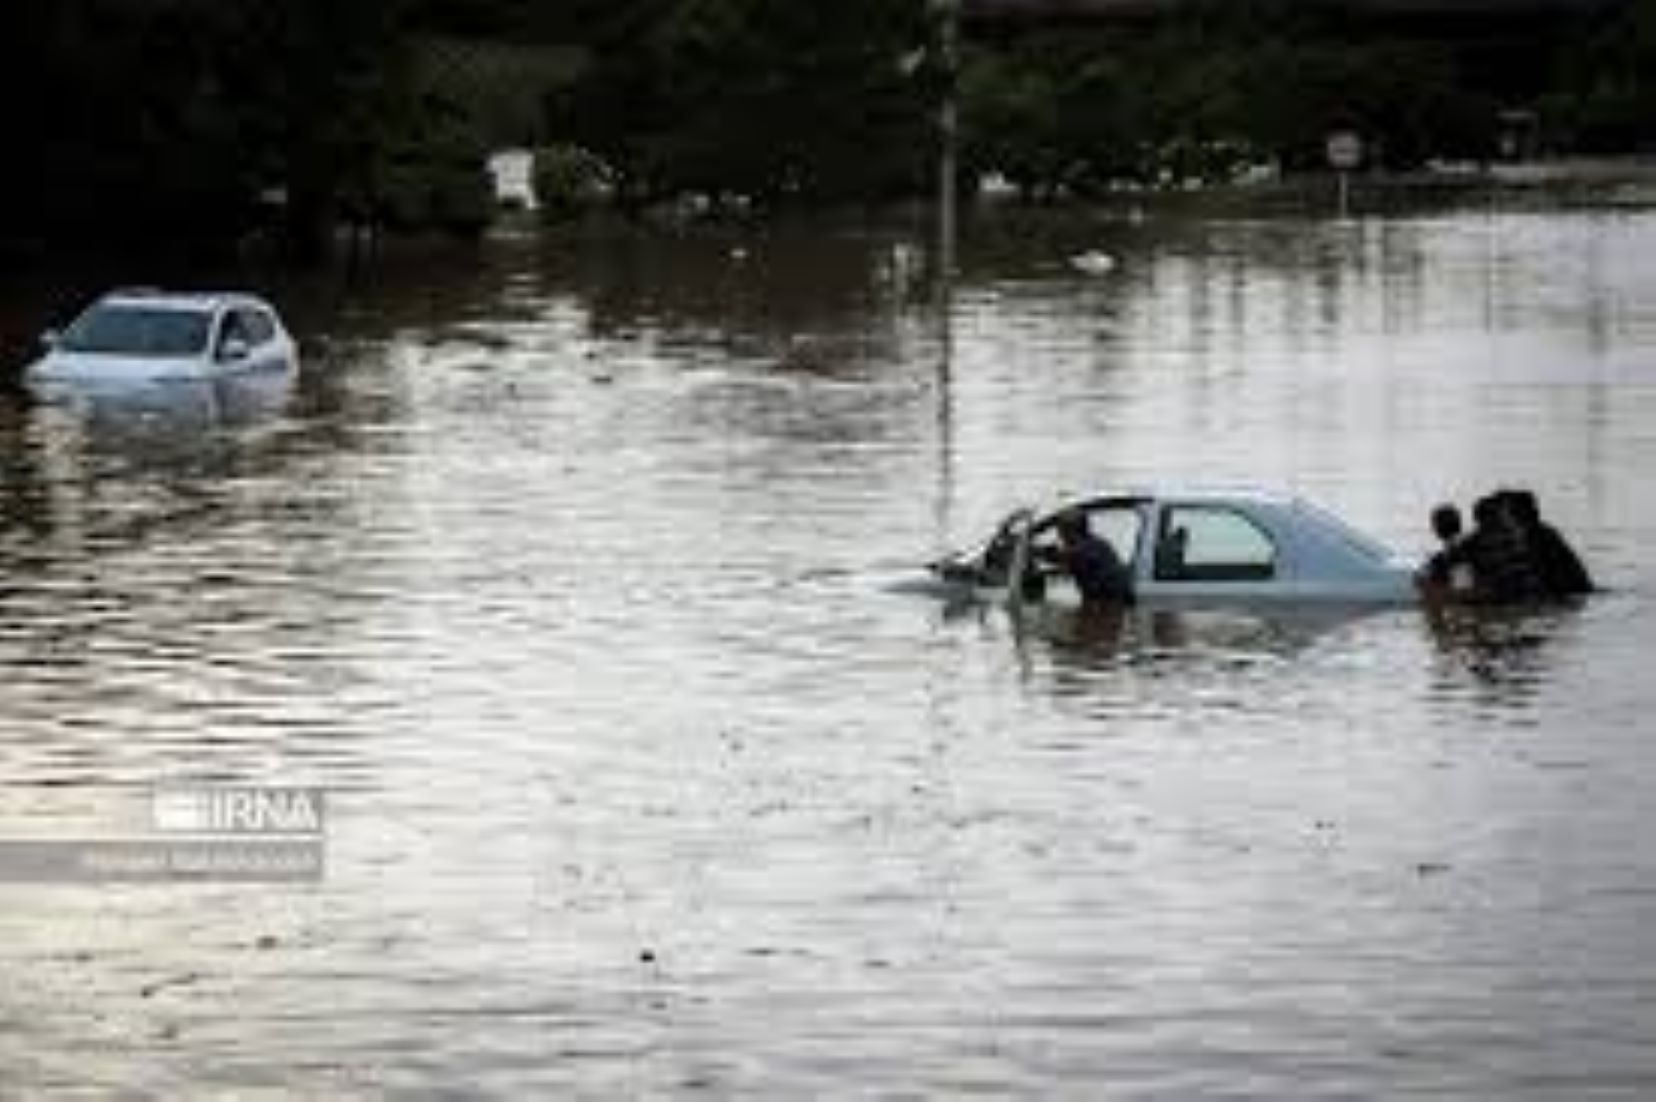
(513, 173)
(1519, 136)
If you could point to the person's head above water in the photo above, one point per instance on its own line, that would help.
(1490, 511)
(1446, 522)
(1522, 507)
(1072, 526)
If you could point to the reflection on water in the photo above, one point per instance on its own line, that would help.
(564, 566)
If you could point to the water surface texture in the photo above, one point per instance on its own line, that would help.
(565, 569)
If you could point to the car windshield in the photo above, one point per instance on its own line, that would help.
(138, 331)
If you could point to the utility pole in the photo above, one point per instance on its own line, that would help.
(948, 128)
(947, 14)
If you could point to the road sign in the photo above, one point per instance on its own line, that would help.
(1345, 150)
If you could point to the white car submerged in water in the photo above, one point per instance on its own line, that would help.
(1190, 548)
(145, 336)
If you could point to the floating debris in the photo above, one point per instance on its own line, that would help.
(1093, 262)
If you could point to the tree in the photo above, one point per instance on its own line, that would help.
(123, 117)
(773, 100)
(1011, 123)
(166, 121)
(1605, 99)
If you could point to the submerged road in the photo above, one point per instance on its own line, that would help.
(563, 573)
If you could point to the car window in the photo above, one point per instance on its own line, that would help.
(138, 331)
(1208, 543)
(257, 325)
(233, 327)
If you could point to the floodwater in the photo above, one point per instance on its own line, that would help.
(566, 569)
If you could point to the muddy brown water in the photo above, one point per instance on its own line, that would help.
(565, 570)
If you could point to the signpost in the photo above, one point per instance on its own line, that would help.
(1345, 152)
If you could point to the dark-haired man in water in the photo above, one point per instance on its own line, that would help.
(1555, 562)
(1098, 571)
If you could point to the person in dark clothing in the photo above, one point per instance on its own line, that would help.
(1555, 562)
(1449, 570)
(1098, 571)
(1503, 571)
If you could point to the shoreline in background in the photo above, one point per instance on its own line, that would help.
(33, 296)
(1602, 181)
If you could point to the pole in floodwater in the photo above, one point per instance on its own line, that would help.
(947, 13)
(948, 127)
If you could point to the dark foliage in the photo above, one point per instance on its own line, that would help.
(772, 100)
(187, 123)
(195, 121)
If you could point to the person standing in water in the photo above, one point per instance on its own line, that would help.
(1449, 571)
(1555, 562)
(1099, 573)
(1503, 571)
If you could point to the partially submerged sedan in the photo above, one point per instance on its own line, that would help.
(1191, 548)
(144, 336)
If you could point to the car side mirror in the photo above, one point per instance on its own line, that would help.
(49, 339)
(234, 349)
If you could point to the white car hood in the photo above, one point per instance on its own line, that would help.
(70, 366)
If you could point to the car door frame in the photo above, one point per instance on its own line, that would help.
(1032, 525)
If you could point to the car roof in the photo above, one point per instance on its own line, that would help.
(1308, 517)
(1186, 495)
(186, 301)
